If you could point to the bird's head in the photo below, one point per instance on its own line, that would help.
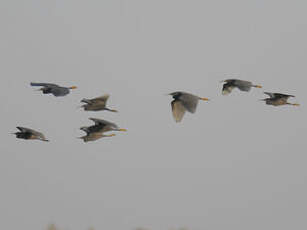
(84, 128)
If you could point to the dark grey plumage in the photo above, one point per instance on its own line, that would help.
(184, 101)
(56, 90)
(242, 85)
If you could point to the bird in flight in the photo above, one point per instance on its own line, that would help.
(184, 102)
(56, 90)
(97, 104)
(242, 85)
(97, 130)
(277, 99)
(29, 134)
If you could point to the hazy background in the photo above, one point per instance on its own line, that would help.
(236, 164)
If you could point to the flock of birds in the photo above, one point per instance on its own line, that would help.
(182, 102)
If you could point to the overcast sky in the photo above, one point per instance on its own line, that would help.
(235, 164)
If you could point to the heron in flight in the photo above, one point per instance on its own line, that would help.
(97, 104)
(29, 134)
(184, 102)
(277, 99)
(97, 130)
(242, 85)
(56, 90)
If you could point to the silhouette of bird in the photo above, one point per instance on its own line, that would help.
(29, 134)
(184, 102)
(97, 104)
(242, 85)
(54, 89)
(277, 99)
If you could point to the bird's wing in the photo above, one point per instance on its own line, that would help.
(280, 95)
(101, 100)
(103, 122)
(178, 110)
(43, 84)
(23, 129)
(227, 89)
(97, 100)
(243, 85)
(271, 95)
(189, 101)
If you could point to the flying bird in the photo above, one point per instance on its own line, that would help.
(277, 99)
(96, 104)
(56, 90)
(29, 134)
(184, 101)
(230, 84)
(97, 130)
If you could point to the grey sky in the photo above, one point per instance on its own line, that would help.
(159, 174)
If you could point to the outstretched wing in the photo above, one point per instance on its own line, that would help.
(43, 84)
(178, 110)
(25, 130)
(243, 85)
(103, 122)
(100, 100)
(189, 101)
(271, 95)
(280, 95)
(97, 100)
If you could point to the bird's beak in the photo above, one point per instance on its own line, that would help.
(222, 81)
(73, 87)
(258, 86)
(295, 104)
(204, 98)
(124, 130)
